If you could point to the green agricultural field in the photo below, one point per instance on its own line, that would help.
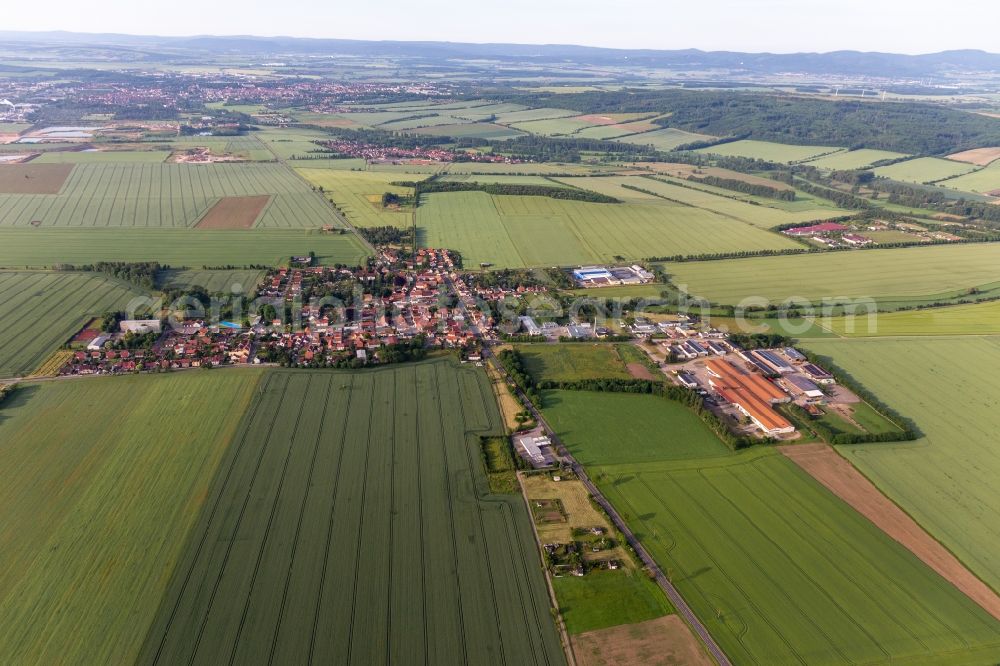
(525, 115)
(924, 170)
(554, 126)
(524, 169)
(946, 481)
(165, 195)
(289, 143)
(913, 275)
(103, 480)
(782, 571)
(41, 311)
(469, 130)
(359, 195)
(351, 523)
(100, 157)
(604, 599)
(213, 281)
(665, 139)
(573, 361)
(512, 231)
(973, 319)
(772, 152)
(591, 424)
(174, 247)
(764, 214)
(854, 159)
(504, 179)
(984, 181)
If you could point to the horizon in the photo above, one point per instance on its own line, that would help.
(779, 26)
(277, 36)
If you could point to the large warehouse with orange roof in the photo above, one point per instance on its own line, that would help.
(751, 394)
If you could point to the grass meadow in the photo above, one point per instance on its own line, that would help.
(972, 319)
(593, 426)
(103, 479)
(946, 481)
(41, 311)
(213, 281)
(984, 180)
(350, 523)
(572, 361)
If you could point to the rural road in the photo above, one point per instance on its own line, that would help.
(668, 588)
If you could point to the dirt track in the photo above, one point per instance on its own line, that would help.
(840, 477)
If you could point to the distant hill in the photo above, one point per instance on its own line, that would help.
(945, 63)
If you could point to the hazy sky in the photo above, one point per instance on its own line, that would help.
(901, 26)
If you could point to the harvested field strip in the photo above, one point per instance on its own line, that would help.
(175, 247)
(33, 178)
(663, 640)
(317, 544)
(780, 570)
(94, 523)
(843, 480)
(41, 311)
(977, 156)
(234, 212)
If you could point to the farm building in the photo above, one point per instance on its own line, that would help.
(530, 326)
(794, 354)
(824, 228)
(535, 448)
(753, 395)
(803, 386)
(98, 343)
(773, 361)
(817, 374)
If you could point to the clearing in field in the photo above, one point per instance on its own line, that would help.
(234, 212)
(590, 424)
(175, 247)
(103, 479)
(977, 156)
(515, 231)
(33, 178)
(41, 311)
(350, 523)
(782, 571)
(358, 194)
(900, 276)
(163, 195)
(854, 159)
(924, 170)
(665, 139)
(659, 642)
(946, 481)
(843, 480)
(770, 151)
